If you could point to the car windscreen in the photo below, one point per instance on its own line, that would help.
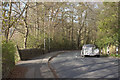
(89, 45)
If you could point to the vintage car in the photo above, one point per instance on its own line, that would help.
(90, 50)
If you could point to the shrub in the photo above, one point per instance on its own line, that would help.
(115, 55)
(8, 57)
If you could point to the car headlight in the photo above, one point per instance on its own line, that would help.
(96, 51)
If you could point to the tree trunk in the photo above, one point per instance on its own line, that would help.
(78, 41)
(119, 49)
(38, 25)
(69, 35)
(26, 36)
(72, 33)
(26, 30)
(44, 35)
(9, 23)
(49, 40)
(49, 36)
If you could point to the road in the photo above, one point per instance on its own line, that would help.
(38, 67)
(72, 65)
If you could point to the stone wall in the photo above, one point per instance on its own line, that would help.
(27, 54)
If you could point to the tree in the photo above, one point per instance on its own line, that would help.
(10, 19)
(26, 28)
(108, 25)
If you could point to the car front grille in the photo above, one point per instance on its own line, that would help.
(88, 51)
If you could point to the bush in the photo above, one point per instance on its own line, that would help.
(59, 44)
(8, 57)
(115, 55)
(54, 44)
(104, 55)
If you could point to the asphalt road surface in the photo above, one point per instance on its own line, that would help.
(72, 65)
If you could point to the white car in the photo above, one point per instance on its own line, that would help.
(90, 50)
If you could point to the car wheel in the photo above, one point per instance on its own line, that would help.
(98, 55)
(83, 55)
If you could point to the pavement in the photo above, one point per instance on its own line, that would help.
(38, 67)
(70, 64)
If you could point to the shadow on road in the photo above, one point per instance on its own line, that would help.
(88, 67)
